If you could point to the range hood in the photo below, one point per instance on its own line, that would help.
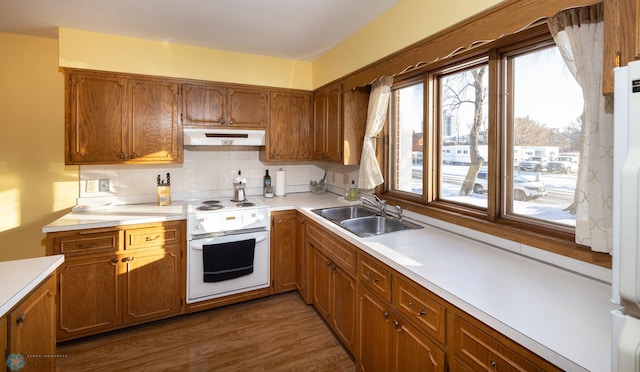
(223, 137)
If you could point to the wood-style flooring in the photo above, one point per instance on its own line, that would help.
(277, 333)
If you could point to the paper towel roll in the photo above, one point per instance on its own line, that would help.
(280, 183)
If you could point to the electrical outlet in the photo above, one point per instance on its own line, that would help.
(345, 180)
(91, 186)
(104, 185)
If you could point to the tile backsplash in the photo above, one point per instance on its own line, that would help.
(208, 169)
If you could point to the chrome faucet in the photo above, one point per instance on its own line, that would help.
(399, 212)
(382, 204)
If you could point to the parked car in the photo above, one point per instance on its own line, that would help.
(563, 164)
(523, 189)
(533, 163)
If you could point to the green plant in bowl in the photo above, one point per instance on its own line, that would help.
(320, 186)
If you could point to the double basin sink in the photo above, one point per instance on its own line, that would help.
(363, 221)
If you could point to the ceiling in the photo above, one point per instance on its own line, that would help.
(291, 29)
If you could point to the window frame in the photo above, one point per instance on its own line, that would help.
(538, 234)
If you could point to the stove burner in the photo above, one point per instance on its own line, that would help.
(245, 204)
(209, 207)
(211, 202)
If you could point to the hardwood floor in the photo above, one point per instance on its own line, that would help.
(277, 333)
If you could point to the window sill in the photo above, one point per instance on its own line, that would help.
(543, 247)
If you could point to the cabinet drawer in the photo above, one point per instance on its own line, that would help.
(337, 250)
(482, 351)
(87, 243)
(420, 307)
(154, 236)
(375, 277)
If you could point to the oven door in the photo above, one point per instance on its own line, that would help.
(199, 290)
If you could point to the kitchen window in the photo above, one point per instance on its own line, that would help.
(494, 136)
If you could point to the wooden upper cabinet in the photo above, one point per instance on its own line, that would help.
(339, 120)
(621, 37)
(327, 121)
(203, 105)
(289, 135)
(115, 118)
(156, 135)
(248, 108)
(212, 105)
(96, 119)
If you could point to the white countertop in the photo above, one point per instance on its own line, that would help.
(19, 277)
(562, 316)
(125, 214)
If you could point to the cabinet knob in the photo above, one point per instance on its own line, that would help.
(121, 156)
(231, 122)
(397, 326)
(222, 122)
(114, 260)
(494, 365)
(21, 318)
(385, 314)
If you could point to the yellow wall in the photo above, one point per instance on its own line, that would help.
(406, 23)
(97, 51)
(35, 185)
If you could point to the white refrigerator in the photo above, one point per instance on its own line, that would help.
(626, 217)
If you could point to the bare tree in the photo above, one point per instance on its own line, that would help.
(529, 132)
(467, 88)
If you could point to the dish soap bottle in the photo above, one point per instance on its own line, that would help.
(266, 186)
(353, 191)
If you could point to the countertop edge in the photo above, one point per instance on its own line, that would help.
(47, 266)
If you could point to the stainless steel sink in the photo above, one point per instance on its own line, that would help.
(376, 225)
(339, 214)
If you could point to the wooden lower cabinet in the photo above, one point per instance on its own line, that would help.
(478, 347)
(112, 278)
(387, 342)
(287, 251)
(334, 296)
(30, 327)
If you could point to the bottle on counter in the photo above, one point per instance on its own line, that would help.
(352, 193)
(266, 185)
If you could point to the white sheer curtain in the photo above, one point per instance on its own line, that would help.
(370, 174)
(578, 33)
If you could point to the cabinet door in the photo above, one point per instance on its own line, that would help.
(344, 307)
(96, 119)
(155, 134)
(89, 295)
(413, 351)
(334, 125)
(375, 335)
(322, 277)
(32, 327)
(151, 283)
(287, 239)
(319, 125)
(203, 105)
(289, 134)
(248, 108)
(3, 338)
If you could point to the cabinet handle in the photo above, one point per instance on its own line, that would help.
(397, 326)
(114, 261)
(328, 263)
(21, 318)
(148, 239)
(375, 280)
(121, 156)
(421, 313)
(494, 364)
(273, 156)
(385, 314)
(127, 259)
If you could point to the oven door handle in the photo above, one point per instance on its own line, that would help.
(198, 246)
